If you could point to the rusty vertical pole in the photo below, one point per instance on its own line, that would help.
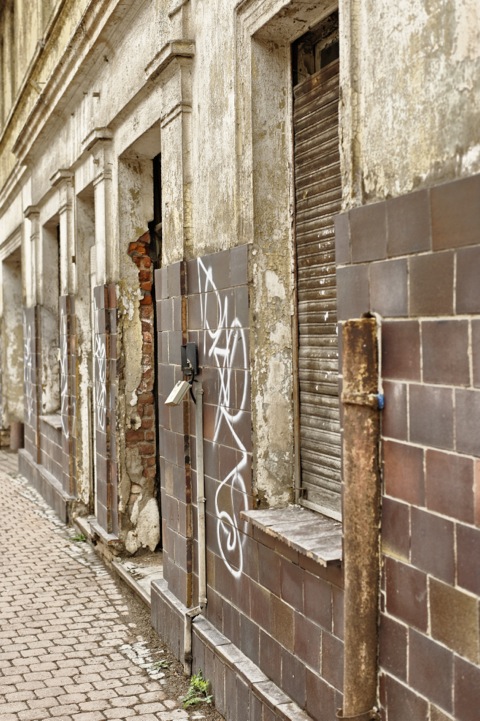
(361, 516)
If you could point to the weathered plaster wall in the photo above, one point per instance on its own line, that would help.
(48, 54)
(213, 110)
(410, 93)
(85, 233)
(49, 322)
(264, 33)
(12, 360)
(136, 441)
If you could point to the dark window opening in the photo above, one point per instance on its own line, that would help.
(155, 225)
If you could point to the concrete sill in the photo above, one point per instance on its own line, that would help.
(54, 420)
(311, 534)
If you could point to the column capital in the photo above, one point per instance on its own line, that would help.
(172, 51)
(95, 137)
(62, 175)
(32, 212)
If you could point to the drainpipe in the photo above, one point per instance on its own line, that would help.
(201, 501)
(362, 401)
(201, 523)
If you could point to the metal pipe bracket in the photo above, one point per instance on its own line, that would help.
(370, 400)
(371, 715)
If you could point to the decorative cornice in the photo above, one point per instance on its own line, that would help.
(70, 67)
(181, 4)
(95, 136)
(11, 244)
(32, 212)
(171, 51)
(12, 186)
(60, 176)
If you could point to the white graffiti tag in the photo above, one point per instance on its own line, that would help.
(28, 370)
(226, 345)
(64, 373)
(100, 382)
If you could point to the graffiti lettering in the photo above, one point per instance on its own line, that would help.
(100, 382)
(225, 344)
(28, 370)
(64, 372)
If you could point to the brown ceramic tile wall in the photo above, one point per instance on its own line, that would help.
(68, 386)
(105, 359)
(51, 453)
(425, 285)
(43, 459)
(218, 321)
(174, 443)
(280, 609)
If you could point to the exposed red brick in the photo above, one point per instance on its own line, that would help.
(146, 312)
(132, 436)
(144, 439)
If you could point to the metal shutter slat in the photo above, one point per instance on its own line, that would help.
(318, 200)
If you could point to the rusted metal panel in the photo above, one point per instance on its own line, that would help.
(318, 200)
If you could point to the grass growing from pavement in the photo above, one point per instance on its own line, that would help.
(198, 691)
(78, 538)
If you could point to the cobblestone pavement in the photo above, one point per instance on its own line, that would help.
(73, 646)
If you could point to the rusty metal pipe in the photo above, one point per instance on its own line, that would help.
(361, 516)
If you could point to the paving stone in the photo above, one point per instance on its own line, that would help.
(65, 625)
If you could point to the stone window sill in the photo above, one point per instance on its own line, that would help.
(311, 534)
(53, 419)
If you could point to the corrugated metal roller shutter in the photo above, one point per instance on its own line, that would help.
(318, 199)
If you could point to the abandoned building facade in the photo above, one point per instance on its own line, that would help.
(276, 202)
